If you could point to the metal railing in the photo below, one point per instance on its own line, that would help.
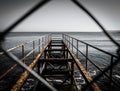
(26, 50)
(76, 46)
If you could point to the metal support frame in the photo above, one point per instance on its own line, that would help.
(87, 59)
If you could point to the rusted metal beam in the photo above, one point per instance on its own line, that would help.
(86, 74)
(12, 67)
(56, 50)
(9, 70)
(56, 45)
(26, 74)
(57, 59)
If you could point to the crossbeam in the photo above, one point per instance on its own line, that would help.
(56, 60)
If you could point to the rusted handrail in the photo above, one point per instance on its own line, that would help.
(92, 46)
(66, 38)
(23, 56)
(26, 74)
(85, 74)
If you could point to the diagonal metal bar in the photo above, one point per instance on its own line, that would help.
(95, 20)
(106, 69)
(31, 11)
(13, 57)
(106, 33)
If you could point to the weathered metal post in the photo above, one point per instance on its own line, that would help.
(33, 49)
(38, 67)
(45, 40)
(77, 48)
(23, 51)
(72, 44)
(62, 37)
(72, 72)
(86, 56)
(65, 39)
(39, 45)
(111, 71)
(69, 42)
(42, 42)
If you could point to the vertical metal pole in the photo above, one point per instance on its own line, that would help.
(72, 44)
(50, 36)
(38, 67)
(62, 36)
(23, 52)
(64, 52)
(42, 42)
(44, 54)
(111, 71)
(66, 39)
(77, 48)
(69, 41)
(39, 45)
(72, 72)
(45, 40)
(33, 49)
(86, 56)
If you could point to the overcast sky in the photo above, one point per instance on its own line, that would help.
(60, 15)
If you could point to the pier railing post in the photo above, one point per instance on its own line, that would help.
(23, 51)
(77, 48)
(111, 71)
(33, 49)
(62, 37)
(86, 56)
(42, 42)
(69, 42)
(39, 45)
(38, 67)
(72, 44)
(72, 72)
(65, 39)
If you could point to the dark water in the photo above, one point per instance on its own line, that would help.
(99, 58)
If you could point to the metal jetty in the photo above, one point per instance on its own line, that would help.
(56, 65)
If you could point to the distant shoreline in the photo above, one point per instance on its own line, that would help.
(39, 33)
